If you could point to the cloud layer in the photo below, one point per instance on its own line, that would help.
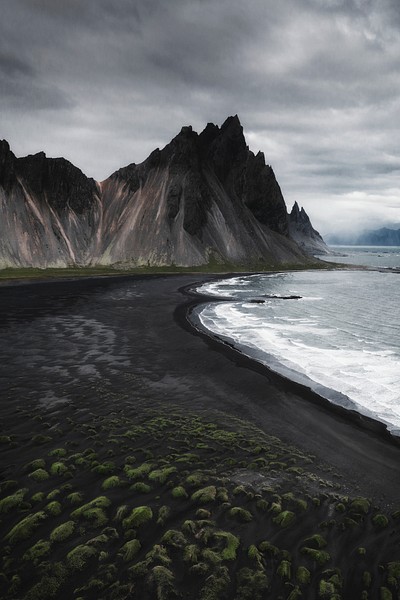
(315, 83)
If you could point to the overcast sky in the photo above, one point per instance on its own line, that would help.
(316, 85)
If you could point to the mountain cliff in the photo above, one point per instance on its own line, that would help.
(203, 197)
(304, 234)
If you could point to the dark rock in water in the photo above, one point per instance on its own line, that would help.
(303, 232)
(257, 301)
(293, 297)
(203, 197)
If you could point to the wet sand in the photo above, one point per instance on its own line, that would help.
(74, 354)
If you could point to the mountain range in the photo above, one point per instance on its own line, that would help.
(202, 198)
(385, 236)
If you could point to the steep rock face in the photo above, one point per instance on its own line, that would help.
(49, 212)
(202, 197)
(304, 234)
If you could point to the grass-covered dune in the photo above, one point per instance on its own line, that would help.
(169, 504)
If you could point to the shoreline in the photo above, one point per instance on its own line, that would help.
(359, 446)
(356, 417)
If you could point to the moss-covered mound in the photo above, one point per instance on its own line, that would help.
(174, 505)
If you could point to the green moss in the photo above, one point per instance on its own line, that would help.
(138, 516)
(232, 544)
(385, 594)
(58, 468)
(179, 492)
(262, 505)
(162, 581)
(285, 518)
(37, 551)
(63, 531)
(53, 508)
(360, 505)
(38, 463)
(241, 514)
(393, 572)
(319, 556)
(121, 512)
(38, 497)
(5, 439)
(49, 585)
(163, 514)
(58, 452)
(284, 570)
(380, 521)
(174, 538)
(78, 558)
(14, 501)
(191, 553)
(211, 556)
(204, 495)
(53, 494)
(138, 472)
(93, 511)
(196, 479)
(140, 487)
(254, 554)
(112, 482)
(39, 475)
(316, 541)
(75, 498)
(326, 589)
(24, 529)
(295, 594)
(105, 468)
(130, 549)
(251, 585)
(161, 475)
(216, 585)
(158, 554)
(303, 575)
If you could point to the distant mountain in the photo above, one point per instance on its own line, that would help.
(377, 237)
(204, 197)
(380, 237)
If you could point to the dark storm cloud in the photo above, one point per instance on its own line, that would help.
(315, 83)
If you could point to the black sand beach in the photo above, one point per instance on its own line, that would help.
(77, 355)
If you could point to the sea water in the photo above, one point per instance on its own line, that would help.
(383, 257)
(337, 332)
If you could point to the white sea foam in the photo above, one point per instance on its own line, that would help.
(346, 340)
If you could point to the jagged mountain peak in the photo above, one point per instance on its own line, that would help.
(201, 197)
(303, 232)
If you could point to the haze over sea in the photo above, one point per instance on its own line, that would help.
(340, 336)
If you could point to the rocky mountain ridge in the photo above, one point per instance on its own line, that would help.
(204, 197)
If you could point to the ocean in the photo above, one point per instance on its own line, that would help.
(337, 332)
(381, 257)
